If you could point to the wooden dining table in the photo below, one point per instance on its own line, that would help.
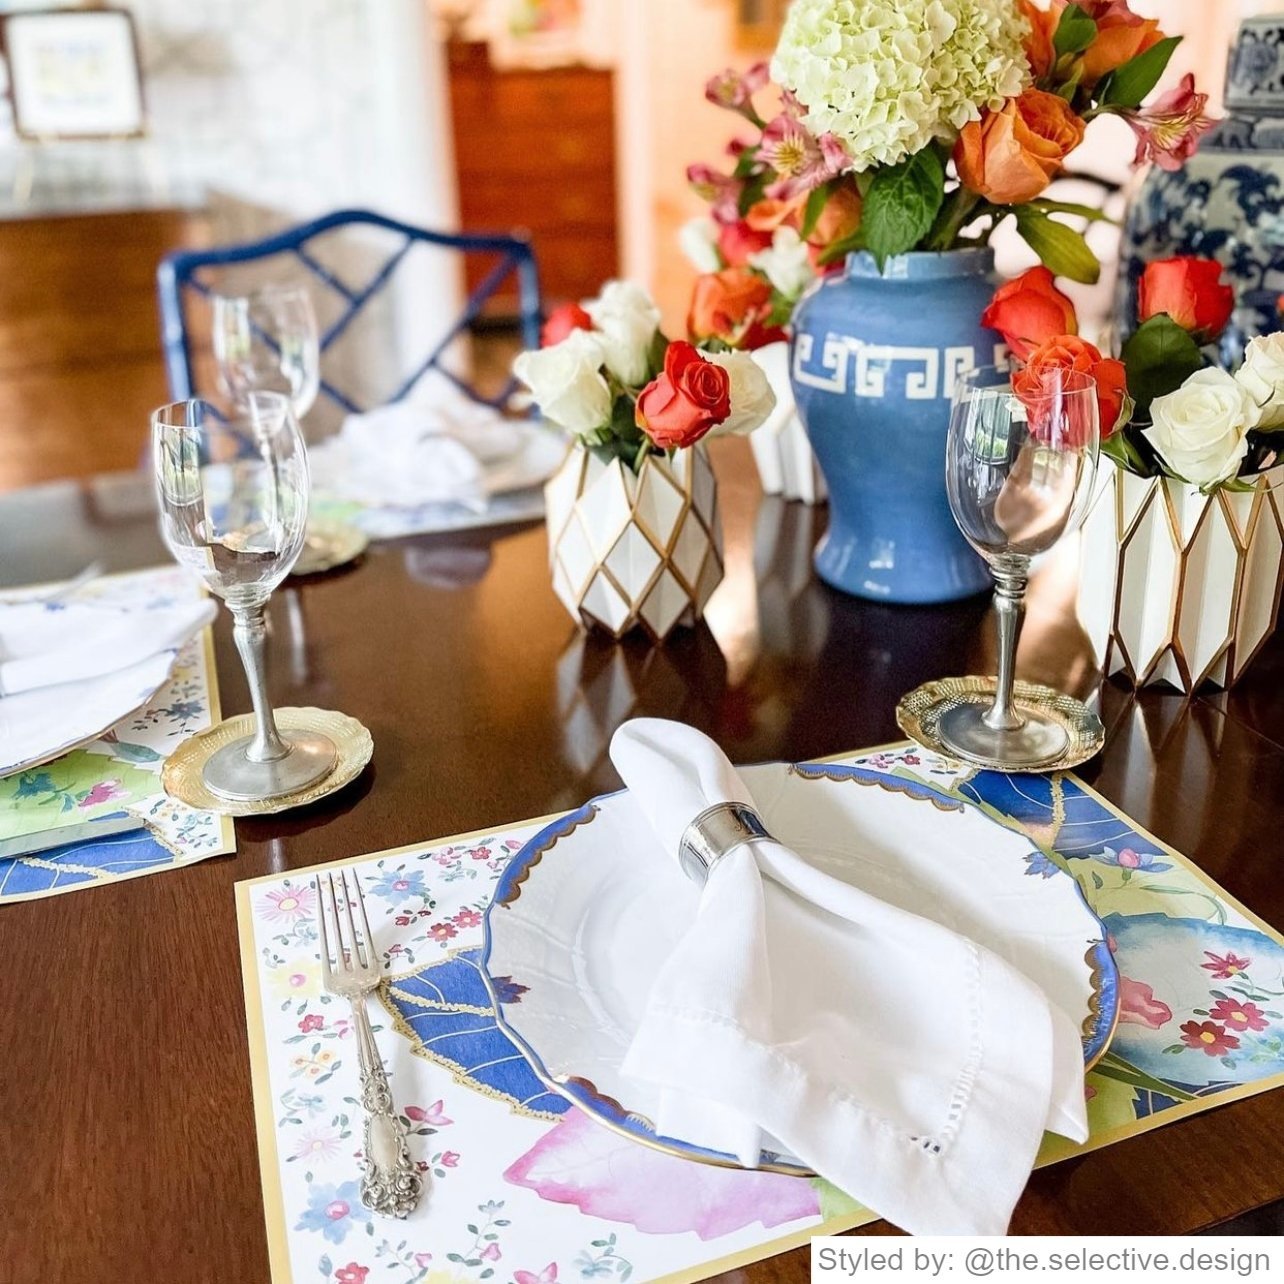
(127, 1135)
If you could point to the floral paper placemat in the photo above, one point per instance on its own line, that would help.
(120, 771)
(524, 1189)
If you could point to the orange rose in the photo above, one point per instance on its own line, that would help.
(1011, 155)
(733, 306)
(1029, 311)
(1039, 49)
(767, 214)
(681, 405)
(1191, 292)
(1070, 353)
(837, 221)
(1121, 35)
(738, 242)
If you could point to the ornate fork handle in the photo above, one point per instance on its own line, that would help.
(390, 1184)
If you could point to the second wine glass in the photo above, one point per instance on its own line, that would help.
(267, 342)
(1020, 463)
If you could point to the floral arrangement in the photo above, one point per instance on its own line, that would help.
(1165, 409)
(607, 375)
(921, 125)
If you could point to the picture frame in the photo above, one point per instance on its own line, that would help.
(73, 73)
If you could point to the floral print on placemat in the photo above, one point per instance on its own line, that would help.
(120, 771)
(525, 1189)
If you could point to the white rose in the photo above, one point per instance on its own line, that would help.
(752, 398)
(566, 382)
(786, 264)
(1262, 377)
(1200, 431)
(626, 321)
(698, 240)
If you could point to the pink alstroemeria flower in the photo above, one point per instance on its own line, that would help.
(734, 91)
(803, 161)
(1168, 132)
(720, 190)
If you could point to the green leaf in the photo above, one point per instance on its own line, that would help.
(1128, 85)
(1160, 357)
(1123, 450)
(1060, 248)
(903, 203)
(1090, 212)
(812, 211)
(851, 244)
(1075, 32)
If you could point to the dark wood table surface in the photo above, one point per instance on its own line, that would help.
(127, 1144)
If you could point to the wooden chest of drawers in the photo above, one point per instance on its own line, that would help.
(536, 150)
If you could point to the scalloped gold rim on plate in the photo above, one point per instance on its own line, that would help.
(182, 777)
(328, 545)
(919, 714)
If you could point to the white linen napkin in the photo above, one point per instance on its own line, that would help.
(906, 1064)
(414, 453)
(45, 644)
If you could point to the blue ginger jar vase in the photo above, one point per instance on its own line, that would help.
(874, 359)
(1227, 201)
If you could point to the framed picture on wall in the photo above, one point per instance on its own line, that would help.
(73, 73)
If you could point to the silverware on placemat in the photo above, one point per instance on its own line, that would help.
(389, 1183)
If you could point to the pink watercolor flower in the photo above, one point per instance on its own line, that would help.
(547, 1276)
(450, 1159)
(103, 791)
(1239, 1016)
(491, 1252)
(311, 1022)
(351, 1274)
(338, 1210)
(734, 91)
(443, 931)
(604, 1175)
(432, 1115)
(342, 1027)
(1138, 1005)
(479, 853)
(1168, 132)
(1208, 1037)
(803, 161)
(422, 1260)
(286, 904)
(1225, 968)
(467, 918)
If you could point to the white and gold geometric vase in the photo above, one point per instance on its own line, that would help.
(1176, 586)
(786, 465)
(634, 549)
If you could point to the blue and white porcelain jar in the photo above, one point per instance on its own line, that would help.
(1227, 201)
(875, 357)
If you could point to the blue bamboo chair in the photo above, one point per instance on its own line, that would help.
(181, 272)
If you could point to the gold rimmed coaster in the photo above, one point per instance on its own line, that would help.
(919, 714)
(183, 780)
(329, 545)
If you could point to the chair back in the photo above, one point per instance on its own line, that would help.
(185, 272)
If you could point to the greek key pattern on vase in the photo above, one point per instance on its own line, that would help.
(867, 370)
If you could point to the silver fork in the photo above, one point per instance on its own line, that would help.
(389, 1183)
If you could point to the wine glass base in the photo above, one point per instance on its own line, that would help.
(232, 774)
(964, 732)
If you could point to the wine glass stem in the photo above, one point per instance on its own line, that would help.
(1009, 606)
(249, 631)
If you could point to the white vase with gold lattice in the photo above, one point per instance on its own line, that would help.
(634, 549)
(1177, 586)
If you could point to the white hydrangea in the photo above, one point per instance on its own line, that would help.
(888, 77)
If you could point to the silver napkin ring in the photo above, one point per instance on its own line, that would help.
(717, 832)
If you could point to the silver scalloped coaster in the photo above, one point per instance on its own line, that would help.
(182, 778)
(919, 714)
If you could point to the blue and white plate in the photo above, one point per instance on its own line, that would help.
(588, 910)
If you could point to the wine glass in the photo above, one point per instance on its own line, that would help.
(1020, 464)
(267, 342)
(233, 494)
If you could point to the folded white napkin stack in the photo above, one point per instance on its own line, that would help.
(47, 644)
(908, 1065)
(416, 452)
